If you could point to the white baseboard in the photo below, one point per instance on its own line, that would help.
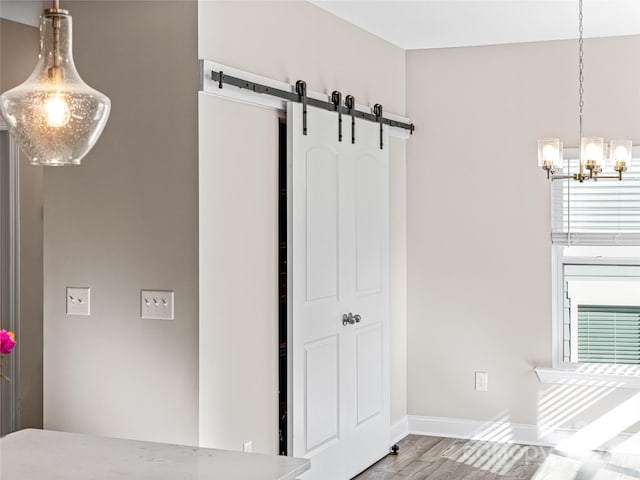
(476, 430)
(505, 432)
(399, 429)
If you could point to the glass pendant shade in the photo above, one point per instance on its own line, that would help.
(592, 151)
(54, 116)
(550, 153)
(620, 152)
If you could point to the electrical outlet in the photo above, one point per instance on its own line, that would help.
(247, 447)
(156, 304)
(78, 301)
(482, 381)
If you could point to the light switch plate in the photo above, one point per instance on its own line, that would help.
(78, 301)
(156, 304)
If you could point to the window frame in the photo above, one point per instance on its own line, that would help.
(601, 374)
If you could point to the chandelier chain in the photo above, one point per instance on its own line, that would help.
(580, 58)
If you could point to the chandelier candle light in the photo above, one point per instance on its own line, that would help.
(54, 116)
(595, 154)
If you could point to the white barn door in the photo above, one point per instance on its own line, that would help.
(338, 264)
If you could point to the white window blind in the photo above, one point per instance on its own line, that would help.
(603, 212)
(609, 334)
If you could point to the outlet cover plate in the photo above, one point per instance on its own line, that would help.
(482, 381)
(78, 301)
(156, 304)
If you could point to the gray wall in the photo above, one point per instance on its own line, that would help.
(286, 41)
(18, 56)
(478, 222)
(126, 220)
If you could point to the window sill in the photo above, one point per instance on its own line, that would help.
(591, 376)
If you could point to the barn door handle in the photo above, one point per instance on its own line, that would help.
(348, 319)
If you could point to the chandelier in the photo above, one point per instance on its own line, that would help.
(595, 153)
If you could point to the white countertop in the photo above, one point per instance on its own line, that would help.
(47, 455)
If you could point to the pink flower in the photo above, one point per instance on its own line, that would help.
(7, 342)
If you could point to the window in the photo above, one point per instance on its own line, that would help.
(596, 243)
(600, 307)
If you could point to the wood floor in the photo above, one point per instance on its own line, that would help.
(437, 458)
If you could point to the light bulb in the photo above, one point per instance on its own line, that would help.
(54, 116)
(592, 151)
(57, 111)
(549, 153)
(620, 153)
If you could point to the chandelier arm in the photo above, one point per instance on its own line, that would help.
(577, 176)
(616, 177)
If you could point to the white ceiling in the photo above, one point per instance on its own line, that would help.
(455, 23)
(452, 23)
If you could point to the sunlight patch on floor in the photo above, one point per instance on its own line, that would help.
(557, 467)
(492, 448)
(607, 426)
(630, 445)
(558, 404)
(497, 458)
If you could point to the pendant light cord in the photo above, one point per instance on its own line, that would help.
(56, 42)
(56, 39)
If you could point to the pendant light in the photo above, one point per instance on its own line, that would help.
(595, 154)
(54, 116)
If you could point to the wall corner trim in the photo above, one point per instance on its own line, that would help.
(399, 429)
